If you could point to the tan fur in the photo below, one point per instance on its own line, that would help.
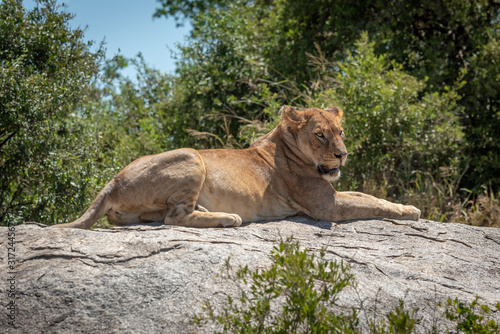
(284, 173)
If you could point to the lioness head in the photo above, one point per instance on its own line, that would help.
(318, 136)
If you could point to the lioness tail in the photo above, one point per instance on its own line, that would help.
(96, 210)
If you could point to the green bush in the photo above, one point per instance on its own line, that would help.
(298, 293)
(295, 294)
(471, 317)
(481, 120)
(127, 115)
(45, 153)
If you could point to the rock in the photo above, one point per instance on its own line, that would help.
(153, 278)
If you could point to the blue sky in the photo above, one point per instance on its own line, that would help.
(128, 26)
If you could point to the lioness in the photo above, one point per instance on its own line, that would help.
(286, 172)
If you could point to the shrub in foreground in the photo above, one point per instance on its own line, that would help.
(299, 293)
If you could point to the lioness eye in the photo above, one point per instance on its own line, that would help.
(341, 133)
(320, 135)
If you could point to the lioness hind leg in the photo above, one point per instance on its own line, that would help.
(123, 218)
(155, 216)
(159, 216)
(205, 219)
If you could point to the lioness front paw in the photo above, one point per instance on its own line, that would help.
(412, 213)
(232, 220)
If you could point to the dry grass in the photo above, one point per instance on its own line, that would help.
(482, 210)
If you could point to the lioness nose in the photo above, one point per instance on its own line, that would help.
(340, 156)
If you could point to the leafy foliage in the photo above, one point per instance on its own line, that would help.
(294, 295)
(471, 317)
(44, 172)
(128, 115)
(299, 293)
(399, 321)
(432, 39)
(217, 89)
(481, 118)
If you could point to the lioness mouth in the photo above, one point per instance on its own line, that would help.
(325, 170)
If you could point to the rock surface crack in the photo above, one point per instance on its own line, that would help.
(96, 260)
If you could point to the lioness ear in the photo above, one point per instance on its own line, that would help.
(290, 114)
(336, 112)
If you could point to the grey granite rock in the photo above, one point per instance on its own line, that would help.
(153, 278)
